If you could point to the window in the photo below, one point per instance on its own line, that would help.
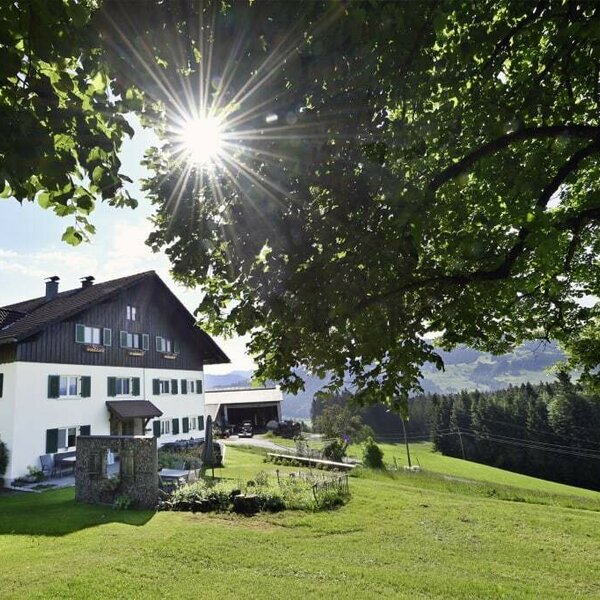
(133, 340)
(122, 386)
(87, 335)
(131, 313)
(64, 438)
(164, 386)
(193, 423)
(165, 427)
(191, 386)
(69, 386)
(165, 345)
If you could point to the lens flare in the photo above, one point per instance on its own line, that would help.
(202, 139)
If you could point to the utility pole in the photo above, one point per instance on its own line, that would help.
(406, 442)
(462, 448)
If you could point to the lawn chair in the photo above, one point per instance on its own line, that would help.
(180, 465)
(48, 466)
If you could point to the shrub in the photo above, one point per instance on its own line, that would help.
(36, 473)
(271, 503)
(372, 455)
(3, 458)
(330, 499)
(335, 451)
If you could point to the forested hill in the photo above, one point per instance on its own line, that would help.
(466, 369)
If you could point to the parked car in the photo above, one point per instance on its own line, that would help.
(246, 430)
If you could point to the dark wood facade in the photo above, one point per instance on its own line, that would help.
(157, 315)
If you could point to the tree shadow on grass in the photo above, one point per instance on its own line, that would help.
(55, 513)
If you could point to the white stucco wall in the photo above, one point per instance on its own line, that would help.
(244, 396)
(26, 389)
(7, 404)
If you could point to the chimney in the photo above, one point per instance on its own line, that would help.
(86, 282)
(52, 287)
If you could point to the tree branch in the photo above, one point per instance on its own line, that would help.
(528, 133)
(503, 271)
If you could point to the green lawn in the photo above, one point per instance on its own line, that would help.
(401, 536)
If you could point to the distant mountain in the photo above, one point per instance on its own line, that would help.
(466, 369)
(232, 379)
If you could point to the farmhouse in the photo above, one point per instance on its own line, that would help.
(123, 357)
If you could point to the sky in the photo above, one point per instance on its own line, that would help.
(31, 249)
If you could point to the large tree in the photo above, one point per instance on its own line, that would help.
(390, 171)
(61, 124)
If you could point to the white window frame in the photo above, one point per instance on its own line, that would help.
(66, 430)
(165, 427)
(191, 386)
(135, 341)
(164, 386)
(129, 385)
(69, 379)
(164, 345)
(91, 335)
(193, 422)
(131, 312)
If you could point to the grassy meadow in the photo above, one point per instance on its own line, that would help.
(456, 530)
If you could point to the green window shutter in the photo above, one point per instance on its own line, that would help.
(86, 386)
(184, 386)
(158, 344)
(79, 335)
(112, 386)
(198, 386)
(107, 336)
(123, 339)
(174, 386)
(185, 424)
(51, 441)
(156, 428)
(85, 430)
(156, 387)
(176, 347)
(1, 384)
(53, 386)
(145, 341)
(200, 422)
(135, 386)
(175, 427)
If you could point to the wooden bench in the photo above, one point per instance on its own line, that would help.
(315, 461)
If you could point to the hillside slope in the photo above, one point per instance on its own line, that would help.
(429, 536)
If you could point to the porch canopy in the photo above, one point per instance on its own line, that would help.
(133, 409)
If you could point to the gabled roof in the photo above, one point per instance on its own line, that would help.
(8, 317)
(23, 319)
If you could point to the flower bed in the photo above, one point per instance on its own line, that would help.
(265, 493)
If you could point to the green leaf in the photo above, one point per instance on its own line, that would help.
(45, 200)
(72, 236)
(7, 191)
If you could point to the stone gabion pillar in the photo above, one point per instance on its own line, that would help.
(138, 470)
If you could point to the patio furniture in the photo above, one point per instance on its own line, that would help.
(62, 461)
(48, 466)
(176, 476)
